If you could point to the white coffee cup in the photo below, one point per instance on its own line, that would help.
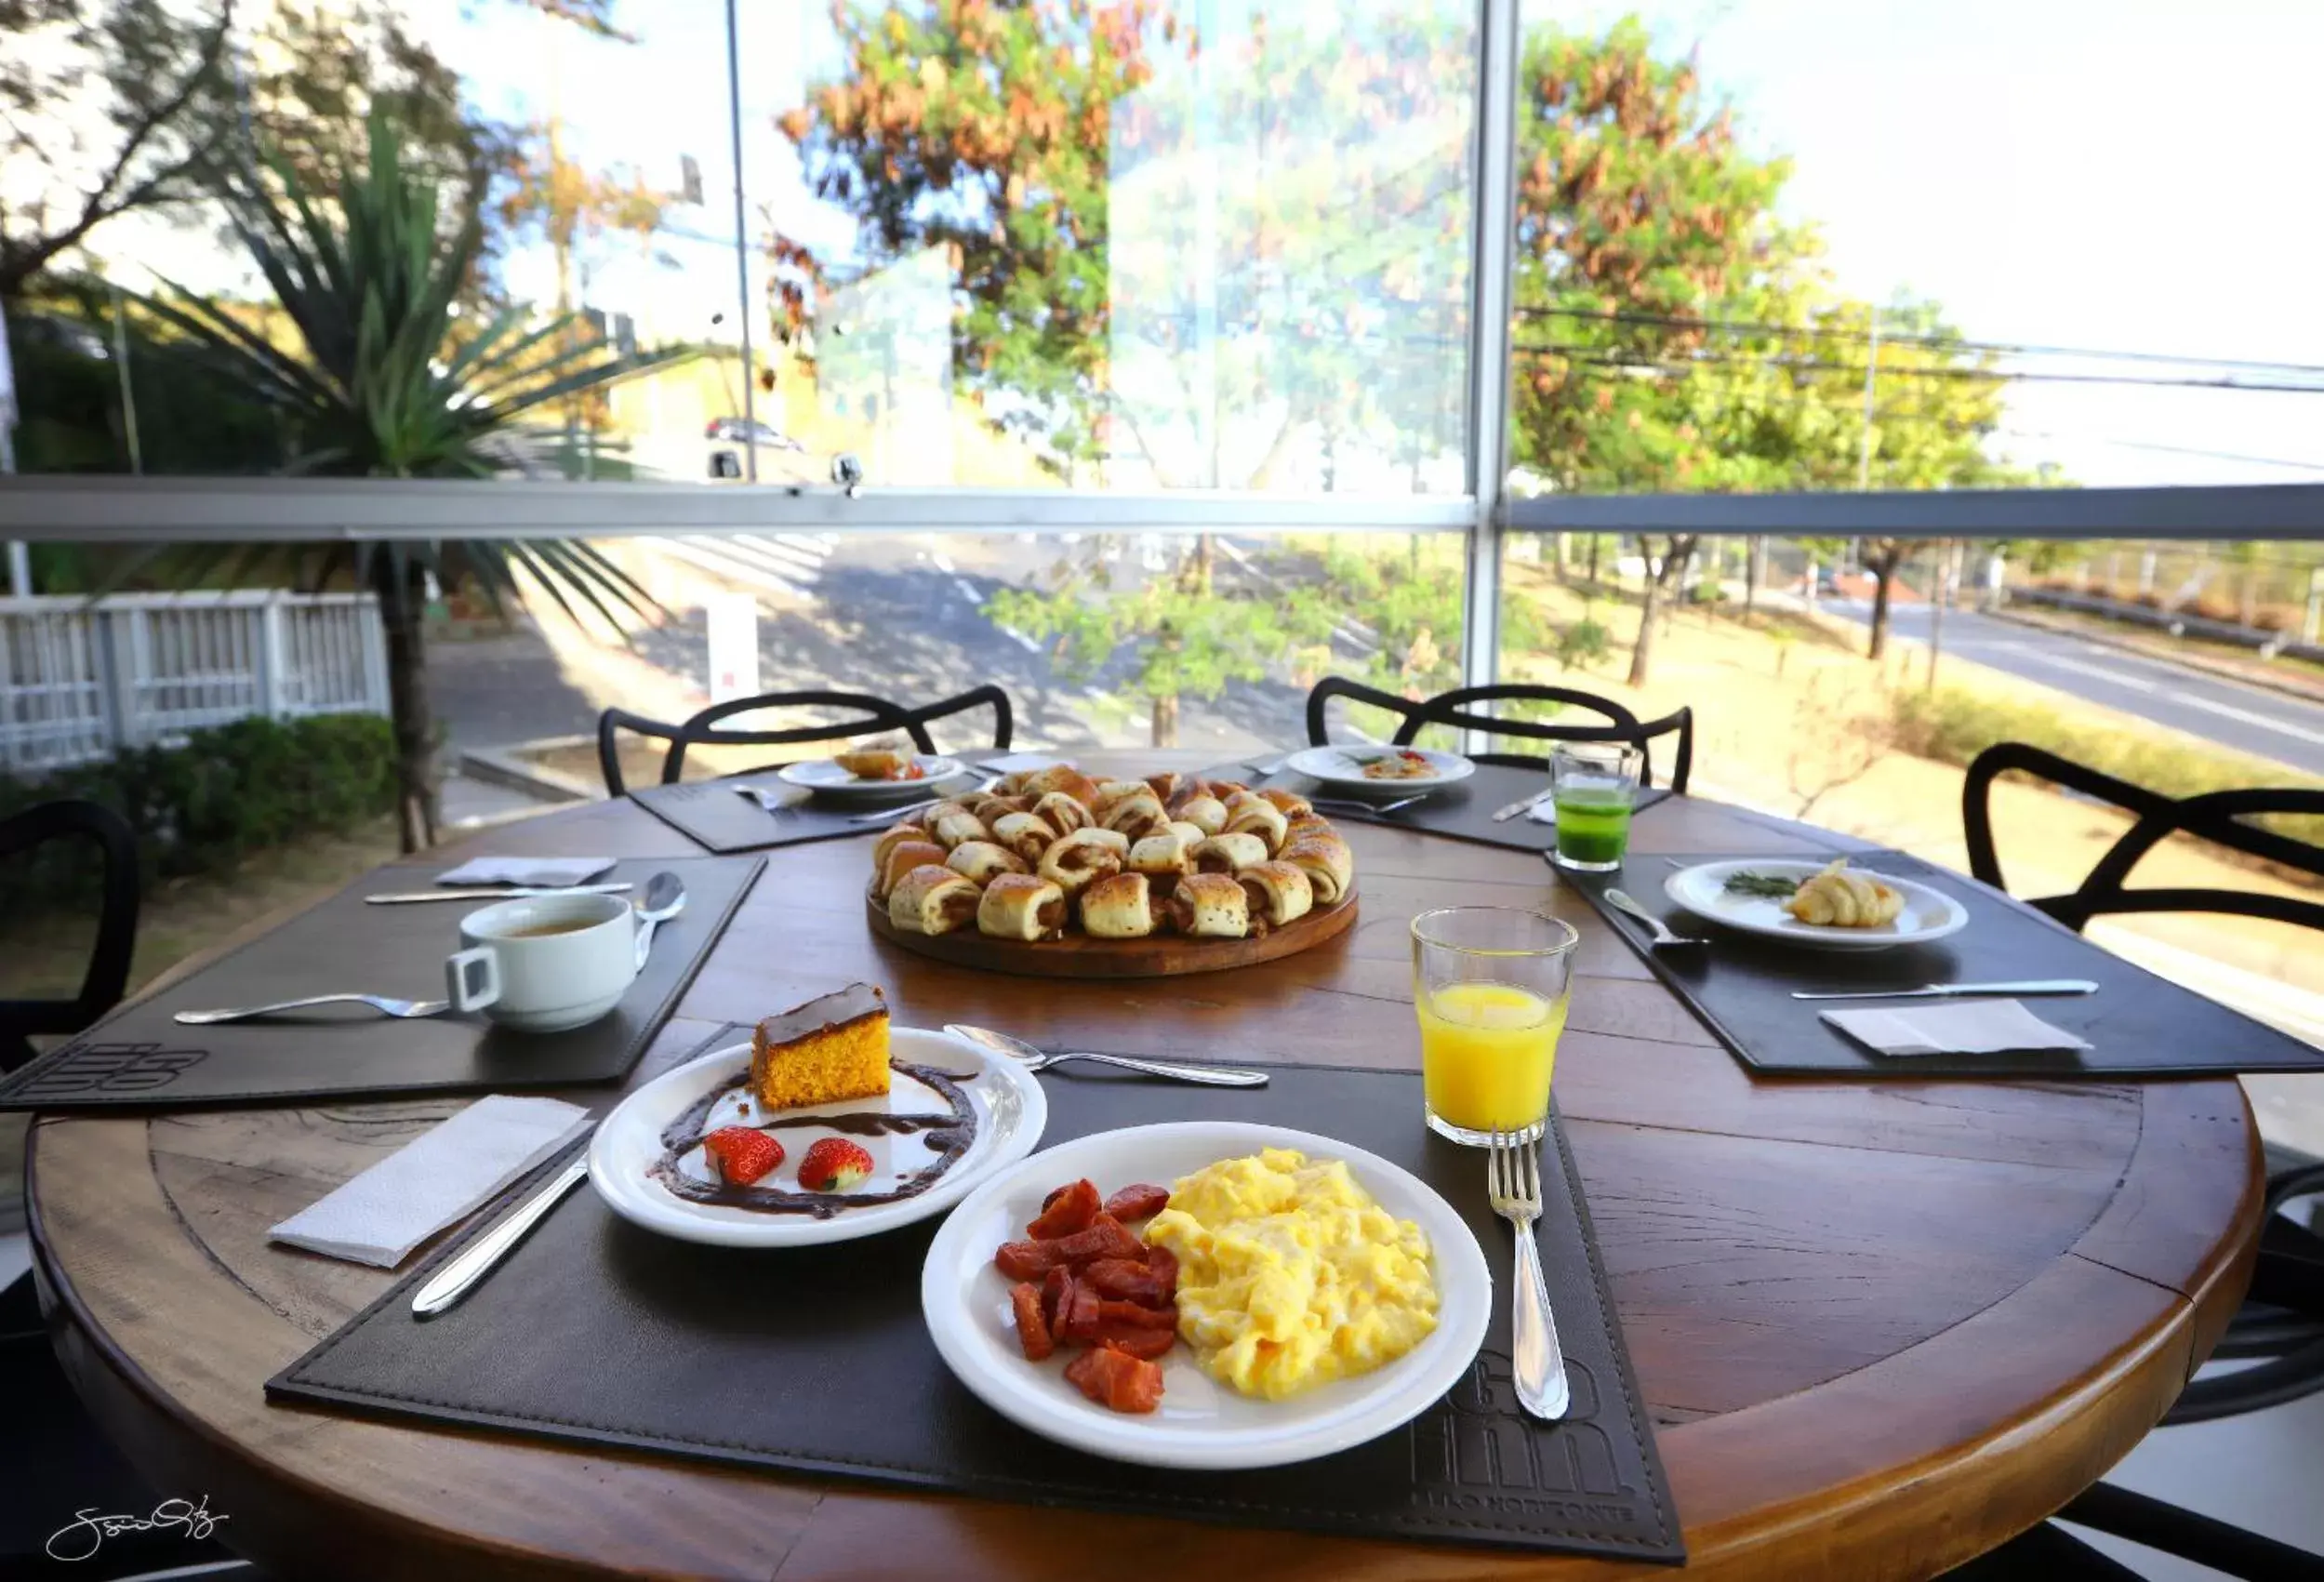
(543, 963)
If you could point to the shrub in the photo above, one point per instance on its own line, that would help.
(202, 807)
(1953, 726)
(1583, 642)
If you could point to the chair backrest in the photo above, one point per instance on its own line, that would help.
(1454, 710)
(108, 974)
(2216, 816)
(874, 715)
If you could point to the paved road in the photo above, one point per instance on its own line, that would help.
(2249, 718)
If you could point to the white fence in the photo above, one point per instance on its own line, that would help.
(79, 678)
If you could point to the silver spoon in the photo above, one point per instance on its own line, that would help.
(1034, 1059)
(1621, 900)
(379, 1002)
(665, 899)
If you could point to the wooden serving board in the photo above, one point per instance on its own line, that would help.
(1079, 955)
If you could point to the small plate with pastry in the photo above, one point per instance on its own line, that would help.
(876, 774)
(827, 1125)
(1370, 771)
(1826, 906)
(1053, 874)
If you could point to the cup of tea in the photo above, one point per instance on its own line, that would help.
(543, 963)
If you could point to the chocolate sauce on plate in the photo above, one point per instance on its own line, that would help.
(949, 1134)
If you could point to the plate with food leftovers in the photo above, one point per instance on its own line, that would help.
(1828, 905)
(1053, 873)
(828, 1125)
(871, 774)
(1374, 771)
(1207, 1295)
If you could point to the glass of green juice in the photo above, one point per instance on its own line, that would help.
(1594, 784)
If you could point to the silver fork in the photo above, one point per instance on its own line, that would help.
(377, 1002)
(1513, 1183)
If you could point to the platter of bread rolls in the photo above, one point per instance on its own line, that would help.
(1054, 873)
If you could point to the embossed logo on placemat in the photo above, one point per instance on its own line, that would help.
(109, 1067)
(1477, 1450)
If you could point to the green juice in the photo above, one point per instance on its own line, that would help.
(1593, 825)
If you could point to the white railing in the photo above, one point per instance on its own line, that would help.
(79, 678)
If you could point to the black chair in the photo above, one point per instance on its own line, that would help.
(873, 716)
(108, 974)
(1452, 710)
(2280, 1326)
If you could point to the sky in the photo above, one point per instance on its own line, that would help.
(2115, 174)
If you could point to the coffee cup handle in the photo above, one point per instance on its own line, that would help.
(471, 978)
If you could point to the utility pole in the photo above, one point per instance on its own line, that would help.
(1936, 608)
(20, 554)
(1864, 440)
(742, 251)
(129, 396)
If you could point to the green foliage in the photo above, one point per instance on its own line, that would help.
(202, 807)
(1953, 726)
(1583, 642)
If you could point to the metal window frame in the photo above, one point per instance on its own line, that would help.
(2195, 512)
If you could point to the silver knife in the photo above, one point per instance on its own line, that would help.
(1522, 805)
(1940, 991)
(456, 1279)
(495, 893)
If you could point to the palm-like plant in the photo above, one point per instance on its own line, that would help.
(384, 383)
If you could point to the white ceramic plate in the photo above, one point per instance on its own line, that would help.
(1928, 914)
(1007, 1098)
(823, 777)
(1342, 768)
(1201, 1422)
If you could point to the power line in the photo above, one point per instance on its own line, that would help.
(1588, 357)
(2166, 449)
(1942, 342)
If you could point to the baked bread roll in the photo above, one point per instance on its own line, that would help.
(1225, 789)
(1021, 906)
(1206, 813)
(1027, 834)
(1062, 777)
(890, 839)
(989, 806)
(1329, 865)
(1840, 899)
(1227, 854)
(982, 861)
(1135, 817)
(1288, 802)
(955, 827)
(1300, 824)
(1081, 858)
(944, 809)
(1166, 855)
(1062, 814)
(1123, 905)
(1256, 817)
(1110, 793)
(1013, 782)
(1278, 893)
(1191, 836)
(932, 900)
(1210, 906)
(1167, 785)
(902, 858)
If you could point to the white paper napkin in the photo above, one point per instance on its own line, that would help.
(1970, 1027)
(437, 1177)
(1543, 812)
(547, 870)
(1009, 763)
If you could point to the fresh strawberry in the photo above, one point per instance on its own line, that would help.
(743, 1154)
(834, 1164)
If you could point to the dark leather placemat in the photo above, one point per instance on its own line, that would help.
(815, 1359)
(1463, 811)
(140, 1057)
(718, 817)
(2139, 1025)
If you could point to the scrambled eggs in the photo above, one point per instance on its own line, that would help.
(1289, 1275)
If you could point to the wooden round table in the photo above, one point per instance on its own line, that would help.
(1881, 1326)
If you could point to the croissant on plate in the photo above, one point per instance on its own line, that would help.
(1278, 892)
(932, 900)
(1021, 906)
(1838, 899)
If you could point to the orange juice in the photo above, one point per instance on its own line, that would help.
(1486, 1052)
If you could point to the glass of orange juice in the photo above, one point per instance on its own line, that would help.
(1491, 985)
